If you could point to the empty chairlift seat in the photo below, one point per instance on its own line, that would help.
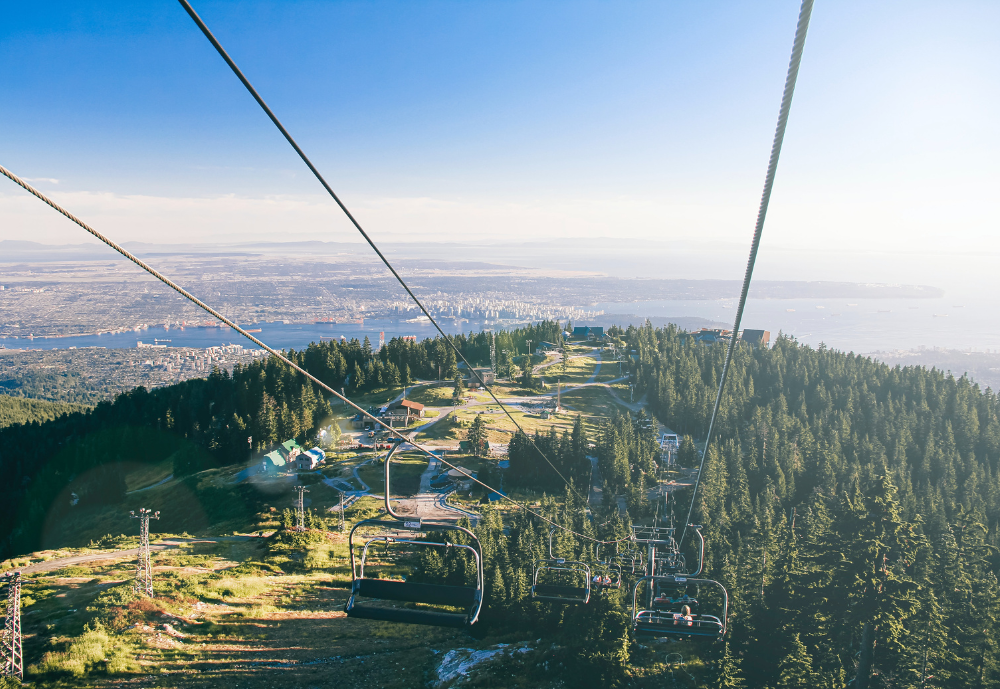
(369, 594)
(463, 603)
(559, 580)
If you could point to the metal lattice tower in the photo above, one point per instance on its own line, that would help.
(493, 352)
(13, 665)
(143, 569)
(300, 509)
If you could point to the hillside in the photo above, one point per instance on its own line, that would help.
(851, 511)
(15, 410)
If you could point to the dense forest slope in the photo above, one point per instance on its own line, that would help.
(15, 410)
(851, 510)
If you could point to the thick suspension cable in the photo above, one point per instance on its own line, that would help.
(772, 165)
(312, 168)
(291, 364)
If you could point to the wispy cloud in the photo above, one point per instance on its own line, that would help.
(50, 180)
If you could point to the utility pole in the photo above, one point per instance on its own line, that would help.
(250, 448)
(300, 510)
(529, 351)
(13, 665)
(342, 510)
(143, 569)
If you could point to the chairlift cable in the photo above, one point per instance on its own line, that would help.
(312, 168)
(798, 44)
(199, 303)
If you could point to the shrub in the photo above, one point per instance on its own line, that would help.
(114, 608)
(95, 649)
(240, 587)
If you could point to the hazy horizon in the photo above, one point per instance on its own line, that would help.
(511, 122)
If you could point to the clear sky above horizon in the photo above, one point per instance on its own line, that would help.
(513, 121)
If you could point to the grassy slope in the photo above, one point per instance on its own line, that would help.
(264, 612)
(14, 410)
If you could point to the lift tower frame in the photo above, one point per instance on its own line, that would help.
(143, 569)
(300, 509)
(13, 664)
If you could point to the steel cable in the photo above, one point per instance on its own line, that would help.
(305, 159)
(187, 295)
(805, 11)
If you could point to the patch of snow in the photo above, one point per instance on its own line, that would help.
(457, 663)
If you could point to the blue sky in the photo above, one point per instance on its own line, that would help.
(508, 121)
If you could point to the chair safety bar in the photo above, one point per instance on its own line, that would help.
(468, 597)
(660, 625)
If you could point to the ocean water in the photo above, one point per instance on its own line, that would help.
(278, 335)
(858, 325)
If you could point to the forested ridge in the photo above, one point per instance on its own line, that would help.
(204, 422)
(16, 410)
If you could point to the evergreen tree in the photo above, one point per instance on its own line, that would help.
(796, 667)
(477, 436)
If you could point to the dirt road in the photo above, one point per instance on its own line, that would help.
(61, 562)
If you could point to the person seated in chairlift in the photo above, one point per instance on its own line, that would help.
(684, 617)
(597, 579)
(606, 581)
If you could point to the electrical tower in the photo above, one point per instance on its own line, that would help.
(143, 569)
(300, 510)
(13, 665)
(493, 353)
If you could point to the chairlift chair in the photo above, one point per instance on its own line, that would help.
(631, 560)
(555, 579)
(668, 621)
(608, 572)
(663, 616)
(467, 598)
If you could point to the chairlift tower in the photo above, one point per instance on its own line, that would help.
(143, 569)
(13, 665)
(300, 510)
(493, 353)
